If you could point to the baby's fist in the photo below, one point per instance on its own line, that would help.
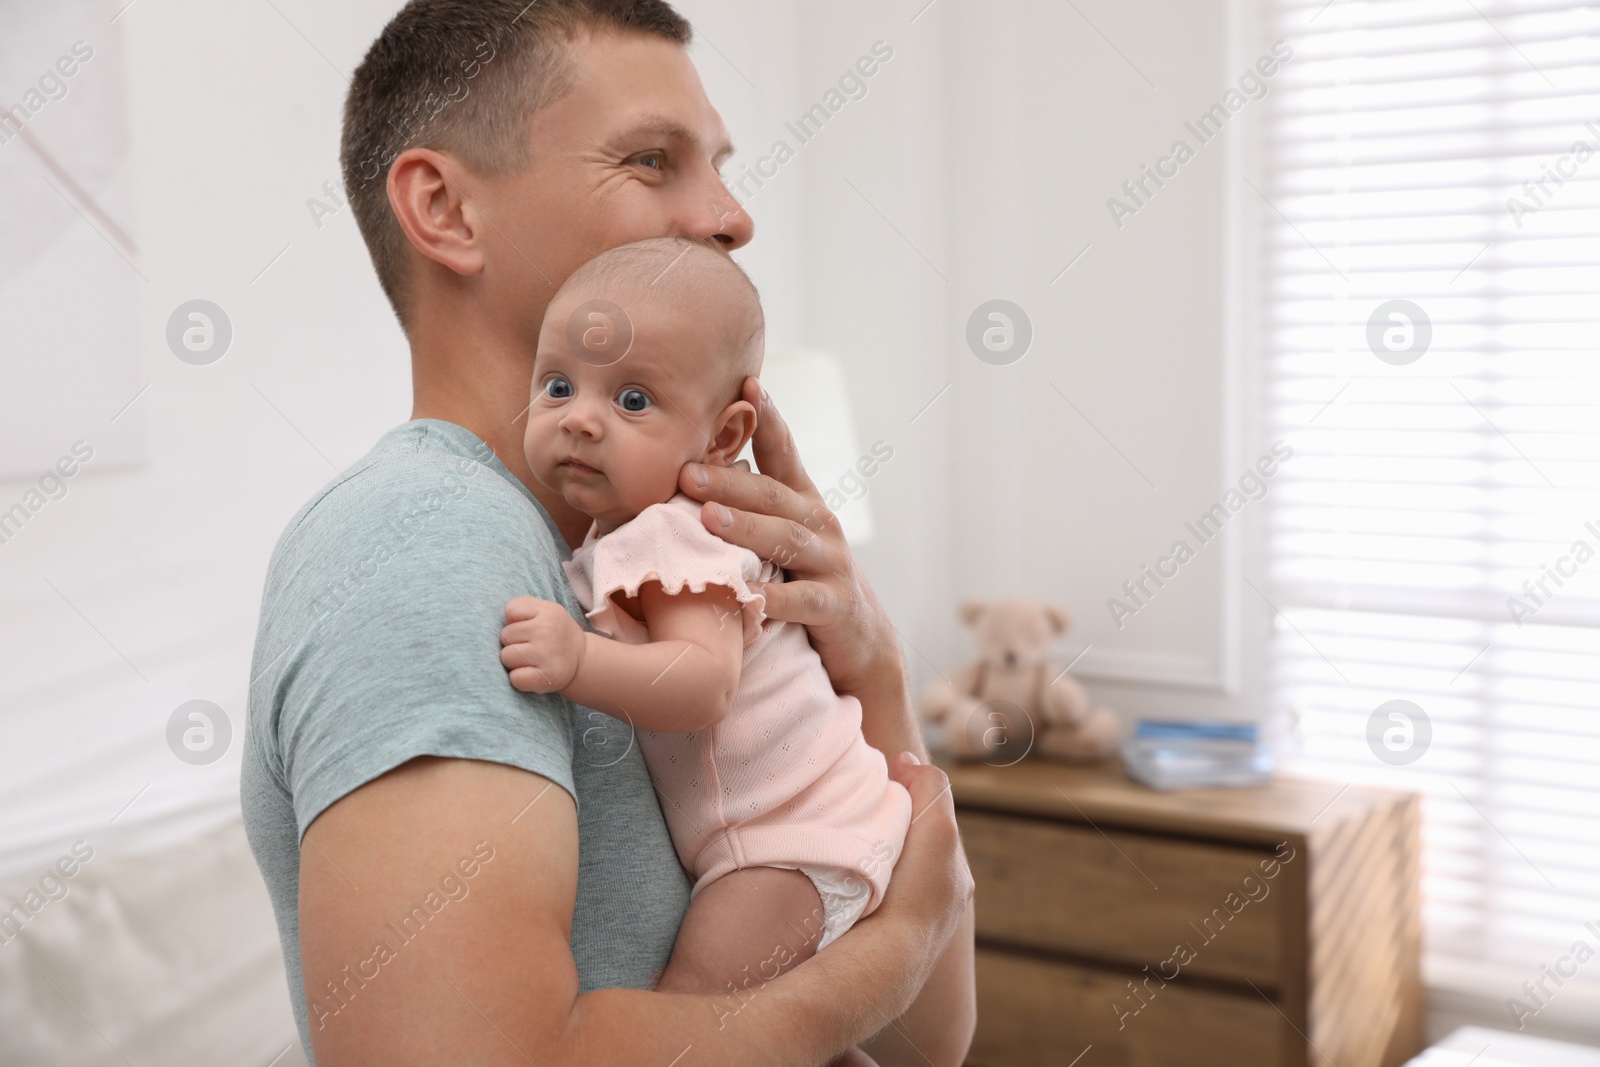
(541, 645)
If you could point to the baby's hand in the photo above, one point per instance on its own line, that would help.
(542, 645)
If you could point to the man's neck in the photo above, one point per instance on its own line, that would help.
(491, 401)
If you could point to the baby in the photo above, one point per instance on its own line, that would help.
(782, 813)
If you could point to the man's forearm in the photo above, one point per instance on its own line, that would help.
(938, 1027)
(803, 1018)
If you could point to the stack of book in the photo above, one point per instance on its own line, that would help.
(1196, 755)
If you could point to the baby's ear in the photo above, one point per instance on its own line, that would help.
(734, 427)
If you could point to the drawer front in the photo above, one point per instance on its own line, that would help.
(1037, 1013)
(1176, 906)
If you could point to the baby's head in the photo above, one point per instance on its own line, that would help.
(641, 360)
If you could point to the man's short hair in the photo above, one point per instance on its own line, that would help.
(464, 77)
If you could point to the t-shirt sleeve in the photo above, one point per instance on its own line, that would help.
(380, 637)
(667, 543)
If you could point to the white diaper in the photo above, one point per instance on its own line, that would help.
(845, 895)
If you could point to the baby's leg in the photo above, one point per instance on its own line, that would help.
(742, 931)
(745, 928)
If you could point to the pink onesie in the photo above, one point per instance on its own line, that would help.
(786, 780)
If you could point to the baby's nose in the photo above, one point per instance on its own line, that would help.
(582, 418)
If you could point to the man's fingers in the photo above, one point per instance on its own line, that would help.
(927, 784)
(806, 603)
(741, 489)
(782, 488)
(933, 812)
(773, 445)
(929, 788)
(789, 543)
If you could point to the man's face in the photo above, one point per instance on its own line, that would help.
(631, 151)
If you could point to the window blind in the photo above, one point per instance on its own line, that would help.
(1428, 182)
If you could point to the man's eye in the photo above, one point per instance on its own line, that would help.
(558, 389)
(653, 160)
(632, 400)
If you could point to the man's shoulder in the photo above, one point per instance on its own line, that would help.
(430, 505)
(416, 475)
(378, 638)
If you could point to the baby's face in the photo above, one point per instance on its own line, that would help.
(610, 437)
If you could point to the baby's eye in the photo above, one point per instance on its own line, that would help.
(558, 389)
(632, 400)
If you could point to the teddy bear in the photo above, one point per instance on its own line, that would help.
(1014, 695)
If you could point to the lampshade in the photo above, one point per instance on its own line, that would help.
(809, 389)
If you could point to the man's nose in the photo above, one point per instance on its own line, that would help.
(721, 218)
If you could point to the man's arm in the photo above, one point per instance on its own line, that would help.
(489, 979)
(779, 515)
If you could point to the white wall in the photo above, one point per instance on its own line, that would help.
(977, 166)
(233, 124)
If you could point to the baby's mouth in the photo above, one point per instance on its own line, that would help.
(579, 468)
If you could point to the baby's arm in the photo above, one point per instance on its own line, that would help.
(682, 680)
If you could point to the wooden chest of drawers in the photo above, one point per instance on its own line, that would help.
(1236, 928)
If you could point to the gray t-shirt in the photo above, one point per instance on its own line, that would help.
(379, 641)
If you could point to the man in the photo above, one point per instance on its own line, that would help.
(438, 898)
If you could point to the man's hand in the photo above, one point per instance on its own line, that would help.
(931, 883)
(779, 515)
(542, 645)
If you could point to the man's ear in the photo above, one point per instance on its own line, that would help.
(425, 193)
(733, 428)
